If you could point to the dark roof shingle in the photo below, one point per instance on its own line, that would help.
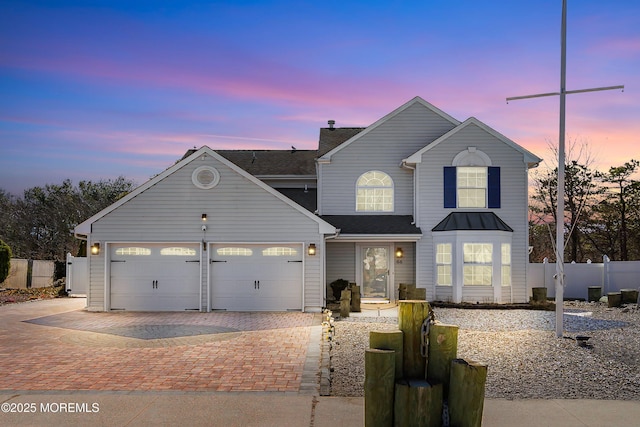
(330, 138)
(373, 224)
(273, 162)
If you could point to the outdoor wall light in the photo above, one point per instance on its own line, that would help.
(399, 253)
(312, 249)
(95, 248)
(204, 217)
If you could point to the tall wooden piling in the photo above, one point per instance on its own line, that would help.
(355, 298)
(411, 316)
(417, 403)
(466, 393)
(345, 303)
(443, 349)
(379, 387)
(389, 340)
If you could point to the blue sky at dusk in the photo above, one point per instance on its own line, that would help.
(93, 90)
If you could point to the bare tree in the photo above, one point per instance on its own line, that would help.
(580, 192)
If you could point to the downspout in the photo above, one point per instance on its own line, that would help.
(324, 265)
(405, 165)
(416, 267)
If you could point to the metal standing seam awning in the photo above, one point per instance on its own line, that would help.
(481, 221)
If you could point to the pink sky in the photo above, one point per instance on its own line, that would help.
(125, 88)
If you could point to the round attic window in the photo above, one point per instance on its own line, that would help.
(205, 177)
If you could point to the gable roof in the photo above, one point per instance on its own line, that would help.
(483, 221)
(84, 228)
(531, 159)
(326, 157)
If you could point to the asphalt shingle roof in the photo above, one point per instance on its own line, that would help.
(373, 224)
(330, 138)
(273, 162)
(472, 221)
(286, 162)
(308, 199)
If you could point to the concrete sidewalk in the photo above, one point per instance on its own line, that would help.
(277, 409)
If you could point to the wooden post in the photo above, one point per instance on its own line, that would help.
(389, 340)
(443, 349)
(411, 315)
(409, 290)
(379, 387)
(594, 293)
(355, 298)
(417, 403)
(539, 294)
(629, 296)
(401, 408)
(614, 299)
(466, 393)
(345, 303)
(402, 291)
(417, 293)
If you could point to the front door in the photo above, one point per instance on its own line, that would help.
(375, 271)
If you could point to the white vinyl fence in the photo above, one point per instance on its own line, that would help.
(41, 274)
(77, 275)
(611, 276)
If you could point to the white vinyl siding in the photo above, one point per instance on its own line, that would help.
(380, 149)
(341, 262)
(171, 210)
(513, 210)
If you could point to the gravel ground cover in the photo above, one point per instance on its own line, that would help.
(525, 358)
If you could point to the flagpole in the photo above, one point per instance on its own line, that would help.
(559, 276)
(560, 193)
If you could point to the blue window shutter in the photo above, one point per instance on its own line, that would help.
(493, 184)
(449, 187)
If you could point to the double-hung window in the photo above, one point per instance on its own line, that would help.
(443, 264)
(472, 186)
(506, 264)
(477, 267)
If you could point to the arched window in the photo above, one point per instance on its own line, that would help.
(374, 192)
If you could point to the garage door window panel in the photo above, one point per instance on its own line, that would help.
(178, 251)
(133, 251)
(232, 251)
(279, 251)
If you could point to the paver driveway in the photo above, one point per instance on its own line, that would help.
(55, 345)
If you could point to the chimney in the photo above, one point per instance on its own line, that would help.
(331, 123)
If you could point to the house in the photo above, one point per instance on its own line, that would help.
(416, 197)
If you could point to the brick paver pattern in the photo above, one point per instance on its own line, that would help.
(67, 351)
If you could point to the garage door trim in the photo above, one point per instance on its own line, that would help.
(210, 261)
(108, 261)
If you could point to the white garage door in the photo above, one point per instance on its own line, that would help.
(155, 277)
(259, 277)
